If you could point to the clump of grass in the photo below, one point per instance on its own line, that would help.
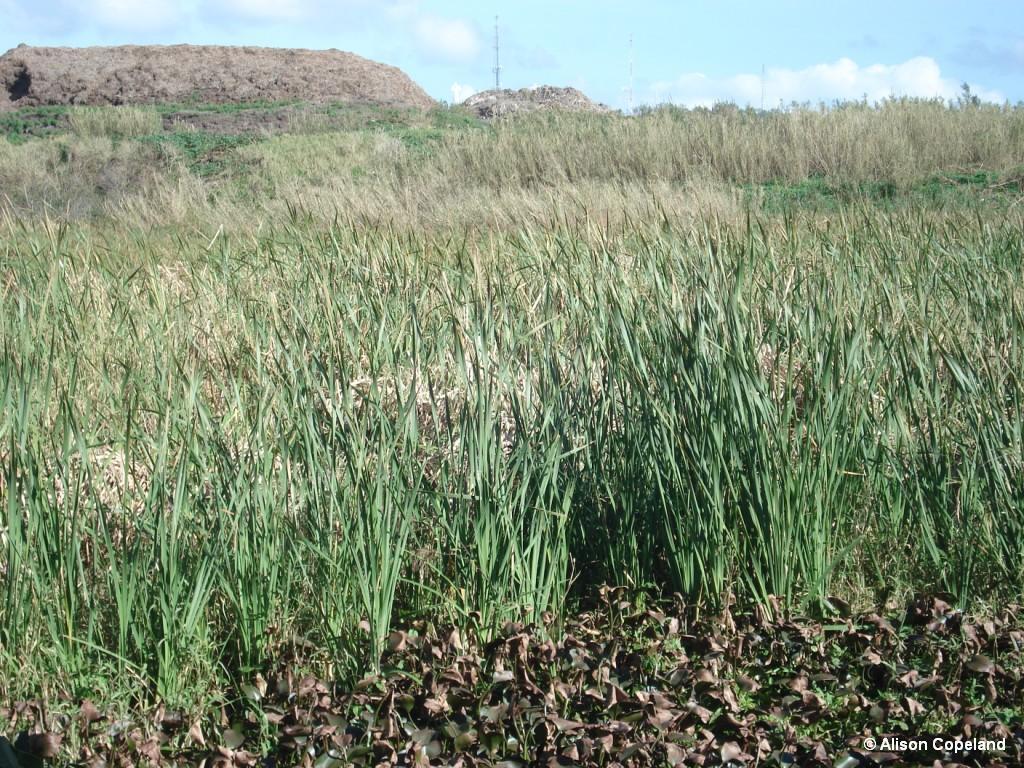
(226, 108)
(205, 154)
(114, 122)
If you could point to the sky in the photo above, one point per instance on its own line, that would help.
(688, 52)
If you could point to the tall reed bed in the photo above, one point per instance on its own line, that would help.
(410, 174)
(306, 438)
(900, 141)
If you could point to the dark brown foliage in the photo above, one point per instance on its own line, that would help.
(623, 685)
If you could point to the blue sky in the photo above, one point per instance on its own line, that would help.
(688, 52)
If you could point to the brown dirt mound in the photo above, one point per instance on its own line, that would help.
(500, 103)
(31, 77)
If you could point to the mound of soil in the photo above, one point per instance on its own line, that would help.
(499, 103)
(153, 74)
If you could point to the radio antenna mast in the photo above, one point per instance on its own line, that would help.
(630, 98)
(762, 87)
(497, 57)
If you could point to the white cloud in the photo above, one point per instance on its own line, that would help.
(402, 10)
(381, 29)
(281, 10)
(136, 14)
(843, 80)
(461, 92)
(454, 40)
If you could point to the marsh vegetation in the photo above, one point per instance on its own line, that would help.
(267, 401)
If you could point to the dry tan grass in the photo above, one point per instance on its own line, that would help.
(534, 170)
(122, 122)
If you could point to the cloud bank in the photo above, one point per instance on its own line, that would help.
(435, 38)
(841, 80)
(135, 14)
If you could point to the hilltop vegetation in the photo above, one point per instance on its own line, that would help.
(399, 394)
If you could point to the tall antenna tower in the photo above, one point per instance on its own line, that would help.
(762, 87)
(497, 57)
(630, 95)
